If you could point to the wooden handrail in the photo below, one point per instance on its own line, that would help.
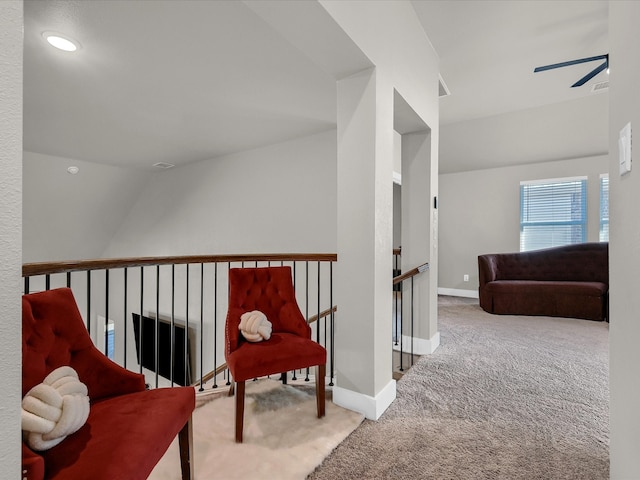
(47, 268)
(209, 376)
(323, 314)
(397, 251)
(411, 273)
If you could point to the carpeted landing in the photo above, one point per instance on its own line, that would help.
(503, 397)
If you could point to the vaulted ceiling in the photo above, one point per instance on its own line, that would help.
(178, 82)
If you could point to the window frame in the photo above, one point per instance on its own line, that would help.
(528, 224)
(602, 221)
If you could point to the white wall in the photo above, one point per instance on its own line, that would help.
(11, 20)
(572, 129)
(390, 35)
(73, 217)
(624, 253)
(480, 213)
(277, 199)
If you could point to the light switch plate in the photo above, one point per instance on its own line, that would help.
(624, 146)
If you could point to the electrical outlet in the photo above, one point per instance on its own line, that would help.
(466, 277)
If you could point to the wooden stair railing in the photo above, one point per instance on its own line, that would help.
(44, 275)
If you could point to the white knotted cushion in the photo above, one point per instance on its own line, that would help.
(55, 408)
(254, 326)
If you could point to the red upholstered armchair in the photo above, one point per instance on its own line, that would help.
(128, 429)
(270, 291)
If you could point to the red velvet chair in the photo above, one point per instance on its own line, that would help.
(129, 428)
(269, 290)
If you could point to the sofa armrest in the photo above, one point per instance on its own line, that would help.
(487, 272)
(487, 269)
(32, 464)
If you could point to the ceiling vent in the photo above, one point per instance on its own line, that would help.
(598, 87)
(163, 165)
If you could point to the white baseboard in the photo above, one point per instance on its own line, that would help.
(455, 292)
(370, 407)
(421, 346)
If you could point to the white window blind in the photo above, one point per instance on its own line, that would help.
(553, 213)
(604, 208)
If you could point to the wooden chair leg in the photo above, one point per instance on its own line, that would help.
(239, 410)
(185, 441)
(320, 389)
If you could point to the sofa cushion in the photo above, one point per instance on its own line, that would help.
(534, 287)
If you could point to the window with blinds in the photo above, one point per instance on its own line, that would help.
(604, 208)
(553, 213)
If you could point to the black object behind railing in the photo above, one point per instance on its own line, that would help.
(175, 329)
(398, 281)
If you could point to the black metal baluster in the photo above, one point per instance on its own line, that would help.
(400, 334)
(68, 279)
(395, 297)
(306, 378)
(173, 322)
(228, 290)
(293, 377)
(47, 282)
(412, 302)
(106, 312)
(318, 321)
(331, 323)
(201, 389)
(157, 332)
(89, 302)
(215, 325)
(124, 316)
(187, 380)
(26, 284)
(141, 323)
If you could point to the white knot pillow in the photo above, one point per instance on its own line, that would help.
(254, 326)
(53, 409)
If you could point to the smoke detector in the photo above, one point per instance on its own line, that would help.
(163, 165)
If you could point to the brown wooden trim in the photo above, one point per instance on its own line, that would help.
(411, 273)
(209, 376)
(323, 314)
(46, 268)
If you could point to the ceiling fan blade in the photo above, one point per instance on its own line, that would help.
(591, 74)
(571, 62)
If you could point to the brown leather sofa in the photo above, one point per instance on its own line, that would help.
(567, 281)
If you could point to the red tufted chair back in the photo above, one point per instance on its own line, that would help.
(269, 290)
(54, 335)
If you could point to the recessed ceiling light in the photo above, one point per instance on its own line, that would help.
(73, 170)
(61, 42)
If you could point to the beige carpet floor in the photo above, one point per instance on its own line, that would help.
(502, 398)
(283, 438)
